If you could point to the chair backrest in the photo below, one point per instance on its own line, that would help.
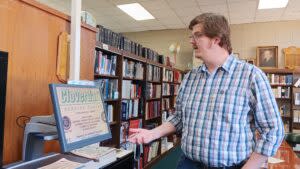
(292, 138)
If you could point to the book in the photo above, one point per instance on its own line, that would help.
(104, 155)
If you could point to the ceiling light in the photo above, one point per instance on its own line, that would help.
(135, 10)
(269, 4)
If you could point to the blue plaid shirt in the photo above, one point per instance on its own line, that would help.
(219, 112)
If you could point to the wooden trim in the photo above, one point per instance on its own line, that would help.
(55, 12)
(129, 55)
(277, 71)
(154, 63)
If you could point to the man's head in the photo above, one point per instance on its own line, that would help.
(213, 27)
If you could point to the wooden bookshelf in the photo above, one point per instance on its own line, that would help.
(281, 82)
(117, 103)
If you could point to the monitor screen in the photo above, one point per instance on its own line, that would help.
(3, 79)
(80, 115)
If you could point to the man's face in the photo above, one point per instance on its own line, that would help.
(200, 42)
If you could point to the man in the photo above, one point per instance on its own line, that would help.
(220, 105)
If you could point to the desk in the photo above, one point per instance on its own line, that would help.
(286, 153)
(125, 162)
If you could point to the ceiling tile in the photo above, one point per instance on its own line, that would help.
(176, 26)
(152, 5)
(271, 14)
(192, 11)
(167, 21)
(156, 27)
(211, 2)
(164, 13)
(218, 8)
(182, 3)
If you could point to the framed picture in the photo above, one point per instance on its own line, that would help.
(267, 56)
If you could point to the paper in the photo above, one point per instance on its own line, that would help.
(272, 160)
(62, 164)
(92, 152)
(121, 153)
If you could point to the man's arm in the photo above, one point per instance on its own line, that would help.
(255, 161)
(267, 119)
(141, 136)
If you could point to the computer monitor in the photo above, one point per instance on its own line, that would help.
(3, 78)
(80, 115)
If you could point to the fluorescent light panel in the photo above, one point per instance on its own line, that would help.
(137, 11)
(269, 4)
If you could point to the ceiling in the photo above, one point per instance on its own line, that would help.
(176, 14)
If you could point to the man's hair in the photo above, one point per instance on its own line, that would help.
(214, 25)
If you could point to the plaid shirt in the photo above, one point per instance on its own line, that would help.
(219, 112)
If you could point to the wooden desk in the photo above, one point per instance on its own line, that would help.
(285, 152)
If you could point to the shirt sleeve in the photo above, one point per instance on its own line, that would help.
(176, 118)
(267, 118)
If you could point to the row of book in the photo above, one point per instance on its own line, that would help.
(297, 116)
(153, 73)
(150, 151)
(109, 37)
(153, 91)
(133, 69)
(109, 88)
(176, 88)
(151, 54)
(119, 41)
(167, 89)
(280, 79)
(281, 92)
(109, 112)
(105, 64)
(297, 98)
(167, 75)
(126, 145)
(130, 109)
(166, 104)
(177, 76)
(124, 129)
(284, 110)
(152, 110)
(165, 145)
(131, 90)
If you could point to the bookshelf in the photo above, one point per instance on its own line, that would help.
(136, 80)
(136, 77)
(281, 81)
(296, 99)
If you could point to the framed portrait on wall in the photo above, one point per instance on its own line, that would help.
(267, 56)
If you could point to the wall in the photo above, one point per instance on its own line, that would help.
(160, 41)
(246, 37)
(29, 33)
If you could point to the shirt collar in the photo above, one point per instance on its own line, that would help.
(227, 66)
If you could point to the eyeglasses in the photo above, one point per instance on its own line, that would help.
(196, 36)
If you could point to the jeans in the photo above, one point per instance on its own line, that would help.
(186, 163)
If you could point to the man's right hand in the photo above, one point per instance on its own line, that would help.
(142, 136)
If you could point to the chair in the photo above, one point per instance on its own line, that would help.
(292, 139)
